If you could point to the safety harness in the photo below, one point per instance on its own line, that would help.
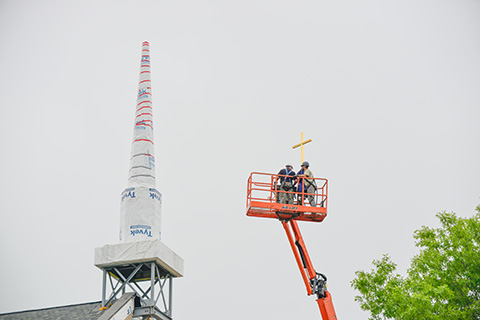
(286, 179)
(310, 183)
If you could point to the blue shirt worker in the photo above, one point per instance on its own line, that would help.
(306, 187)
(287, 184)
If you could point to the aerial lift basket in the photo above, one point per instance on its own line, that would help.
(264, 190)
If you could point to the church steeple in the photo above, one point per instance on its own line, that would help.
(140, 262)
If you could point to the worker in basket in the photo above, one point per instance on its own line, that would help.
(306, 187)
(286, 189)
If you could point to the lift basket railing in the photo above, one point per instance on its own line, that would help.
(265, 190)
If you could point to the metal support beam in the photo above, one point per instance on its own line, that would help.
(104, 287)
(148, 281)
(170, 294)
(152, 283)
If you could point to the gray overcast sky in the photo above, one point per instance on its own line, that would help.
(387, 90)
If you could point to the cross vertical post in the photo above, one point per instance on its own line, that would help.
(301, 144)
(301, 140)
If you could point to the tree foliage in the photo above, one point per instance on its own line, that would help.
(443, 281)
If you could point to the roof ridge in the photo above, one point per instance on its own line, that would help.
(50, 308)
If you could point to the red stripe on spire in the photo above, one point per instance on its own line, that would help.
(146, 101)
(144, 108)
(143, 125)
(144, 114)
(146, 140)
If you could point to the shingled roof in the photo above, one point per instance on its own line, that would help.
(84, 311)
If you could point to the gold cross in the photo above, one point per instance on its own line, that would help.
(301, 144)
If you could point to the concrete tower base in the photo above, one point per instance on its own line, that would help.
(140, 251)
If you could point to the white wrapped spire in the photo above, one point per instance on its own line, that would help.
(142, 162)
(141, 202)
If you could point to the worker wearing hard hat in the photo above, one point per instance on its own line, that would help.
(306, 187)
(287, 184)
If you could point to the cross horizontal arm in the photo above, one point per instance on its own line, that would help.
(301, 143)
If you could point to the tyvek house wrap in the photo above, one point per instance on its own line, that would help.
(140, 209)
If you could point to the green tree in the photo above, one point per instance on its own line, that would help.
(443, 281)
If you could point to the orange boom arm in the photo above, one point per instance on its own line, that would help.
(315, 283)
